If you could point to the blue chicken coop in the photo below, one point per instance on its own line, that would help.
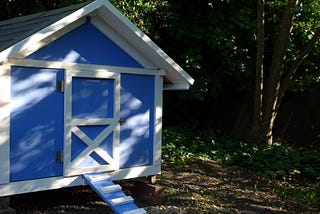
(81, 101)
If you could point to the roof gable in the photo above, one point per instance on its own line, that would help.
(85, 45)
(110, 22)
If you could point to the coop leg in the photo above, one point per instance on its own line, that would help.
(4, 206)
(152, 179)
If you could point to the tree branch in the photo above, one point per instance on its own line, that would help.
(295, 65)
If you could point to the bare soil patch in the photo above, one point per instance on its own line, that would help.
(201, 186)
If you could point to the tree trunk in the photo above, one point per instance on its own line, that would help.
(256, 125)
(8, 9)
(267, 98)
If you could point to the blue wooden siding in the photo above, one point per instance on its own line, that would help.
(35, 123)
(85, 45)
(137, 108)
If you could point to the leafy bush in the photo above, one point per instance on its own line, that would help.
(180, 144)
(277, 161)
(304, 195)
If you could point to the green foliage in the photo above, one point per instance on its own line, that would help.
(146, 14)
(304, 195)
(179, 145)
(306, 22)
(277, 161)
(212, 41)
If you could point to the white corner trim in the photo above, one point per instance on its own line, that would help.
(4, 123)
(158, 121)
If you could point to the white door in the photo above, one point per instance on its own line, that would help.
(92, 105)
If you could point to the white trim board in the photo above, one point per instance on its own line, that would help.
(71, 167)
(77, 66)
(4, 123)
(158, 106)
(20, 187)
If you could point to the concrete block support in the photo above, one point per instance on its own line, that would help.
(4, 206)
(150, 193)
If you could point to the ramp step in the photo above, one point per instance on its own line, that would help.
(112, 194)
(98, 177)
(121, 201)
(136, 211)
(109, 189)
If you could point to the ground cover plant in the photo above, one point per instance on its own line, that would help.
(288, 166)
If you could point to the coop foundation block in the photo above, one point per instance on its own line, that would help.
(150, 193)
(4, 206)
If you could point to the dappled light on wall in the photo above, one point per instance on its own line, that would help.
(35, 129)
(31, 89)
(136, 108)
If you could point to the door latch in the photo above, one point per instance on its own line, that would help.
(122, 121)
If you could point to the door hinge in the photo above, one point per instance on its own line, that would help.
(60, 85)
(59, 156)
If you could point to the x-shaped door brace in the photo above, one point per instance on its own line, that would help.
(93, 145)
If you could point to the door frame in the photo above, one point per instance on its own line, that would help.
(70, 167)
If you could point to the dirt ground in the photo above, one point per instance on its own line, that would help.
(201, 186)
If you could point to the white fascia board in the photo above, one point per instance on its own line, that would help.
(144, 44)
(46, 32)
(176, 86)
